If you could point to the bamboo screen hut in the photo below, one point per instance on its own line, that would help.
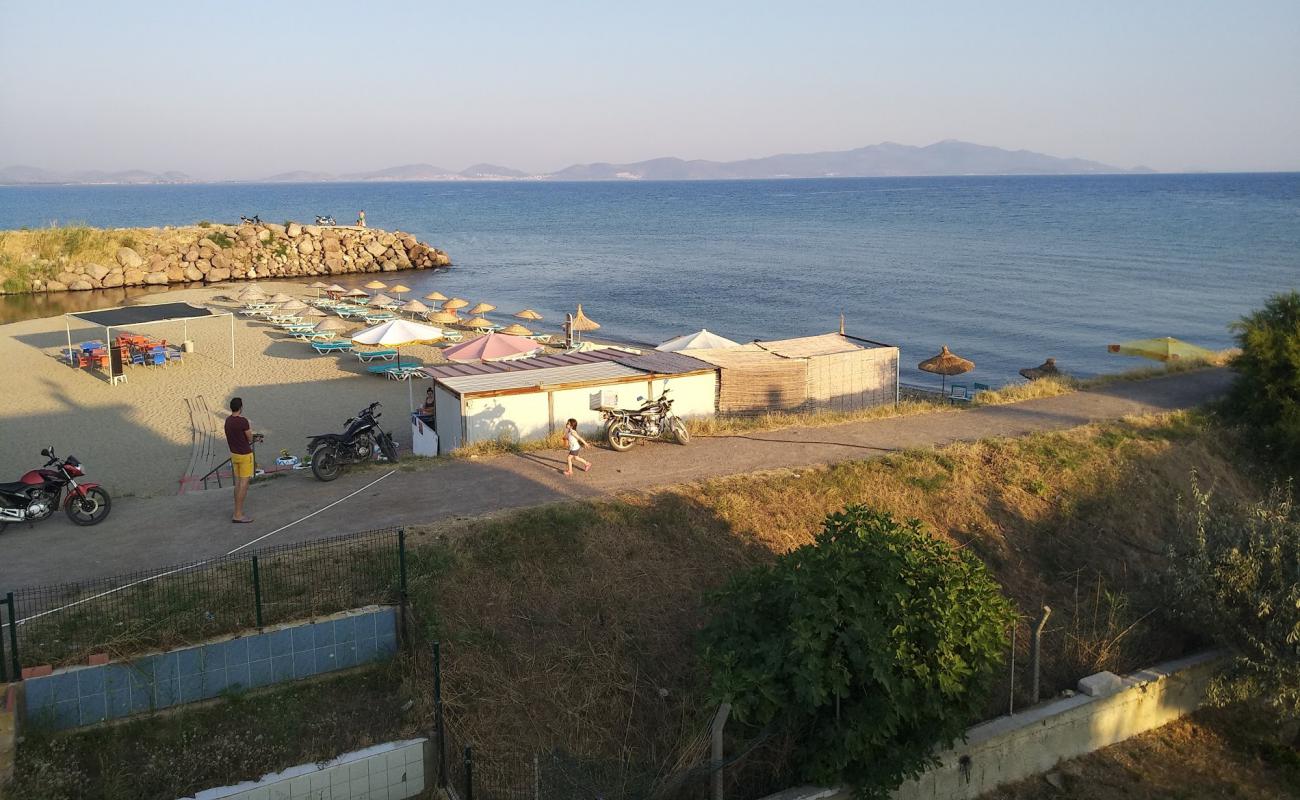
(811, 373)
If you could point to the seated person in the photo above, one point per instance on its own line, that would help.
(427, 410)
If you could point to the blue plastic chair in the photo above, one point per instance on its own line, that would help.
(957, 393)
(157, 357)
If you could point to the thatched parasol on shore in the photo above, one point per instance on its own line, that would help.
(945, 364)
(293, 305)
(399, 290)
(455, 303)
(356, 293)
(380, 299)
(528, 314)
(482, 308)
(332, 324)
(311, 312)
(334, 288)
(581, 322)
(376, 285)
(479, 323)
(279, 297)
(414, 307)
(1045, 370)
(318, 286)
(443, 317)
(516, 330)
(436, 297)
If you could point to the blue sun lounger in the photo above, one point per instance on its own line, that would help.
(398, 372)
(331, 347)
(376, 355)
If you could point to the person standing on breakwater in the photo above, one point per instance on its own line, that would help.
(239, 438)
(361, 219)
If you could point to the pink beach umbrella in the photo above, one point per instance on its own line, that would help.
(493, 347)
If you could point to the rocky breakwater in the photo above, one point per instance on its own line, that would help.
(216, 253)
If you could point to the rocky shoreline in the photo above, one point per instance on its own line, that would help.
(210, 253)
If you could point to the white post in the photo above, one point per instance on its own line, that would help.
(68, 330)
(232, 340)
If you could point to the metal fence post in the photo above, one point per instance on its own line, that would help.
(401, 573)
(1011, 702)
(257, 592)
(437, 715)
(13, 638)
(4, 665)
(469, 773)
(719, 722)
(1036, 649)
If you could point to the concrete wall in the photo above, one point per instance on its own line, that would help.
(447, 419)
(392, 771)
(513, 417)
(1008, 749)
(76, 696)
(693, 396)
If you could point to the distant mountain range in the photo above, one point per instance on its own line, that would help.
(949, 157)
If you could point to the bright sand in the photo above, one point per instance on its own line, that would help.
(137, 437)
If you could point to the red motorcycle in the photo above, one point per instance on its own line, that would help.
(39, 493)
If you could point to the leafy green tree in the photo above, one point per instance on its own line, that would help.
(1234, 574)
(1266, 393)
(874, 645)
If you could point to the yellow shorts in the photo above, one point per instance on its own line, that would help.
(242, 464)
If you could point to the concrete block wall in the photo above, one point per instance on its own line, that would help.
(391, 771)
(76, 696)
(1010, 748)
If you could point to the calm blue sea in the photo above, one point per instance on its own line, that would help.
(1004, 270)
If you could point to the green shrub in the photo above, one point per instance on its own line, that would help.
(872, 646)
(205, 223)
(1234, 575)
(221, 239)
(1266, 393)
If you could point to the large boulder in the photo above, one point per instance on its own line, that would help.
(192, 273)
(263, 235)
(215, 275)
(175, 274)
(112, 279)
(156, 278)
(128, 258)
(66, 277)
(96, 272)
(305, 246)
(80, 285)
(277, 230)
(133, 277)
(375, 249)
(191, 255)
(220, 261)
(56, 286)
(293, 231)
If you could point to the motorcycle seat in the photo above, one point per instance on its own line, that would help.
(17, 487)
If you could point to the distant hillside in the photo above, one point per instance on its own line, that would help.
(950, 157)
(880, 160)
(18, 174)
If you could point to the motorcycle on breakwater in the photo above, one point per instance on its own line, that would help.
(40, 492)
(653, 420)
(330, 452)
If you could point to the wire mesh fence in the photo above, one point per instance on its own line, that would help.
(167, 607)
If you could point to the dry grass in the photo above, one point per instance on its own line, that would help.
(1064, 384)
(574, 624)
(724, 426)
(1209, 754)
(41, 253)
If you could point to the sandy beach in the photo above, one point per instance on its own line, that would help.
(137, 438)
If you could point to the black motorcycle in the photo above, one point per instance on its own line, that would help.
(653, 420)
(39, 493)
(326, 221)
(330, 452)
(256, 219)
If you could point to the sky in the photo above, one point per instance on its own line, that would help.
(240, 90)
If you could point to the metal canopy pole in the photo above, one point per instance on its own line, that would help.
(232, 340)
(67, 328)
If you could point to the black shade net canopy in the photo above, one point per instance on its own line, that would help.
(135, 316)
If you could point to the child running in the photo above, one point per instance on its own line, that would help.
(575, 443)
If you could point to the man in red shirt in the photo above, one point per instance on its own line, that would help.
(239, 437)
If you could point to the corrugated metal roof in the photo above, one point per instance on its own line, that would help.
(663, 362)
(546, 376)
(521, 364)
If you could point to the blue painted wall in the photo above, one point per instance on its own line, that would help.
(79, 696)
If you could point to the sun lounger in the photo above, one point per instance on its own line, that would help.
(349, 311)
(311, 335)
(541, 338)
(379, 316)
(283, 319)
(376, 355)
(331, 346)
(397, 372)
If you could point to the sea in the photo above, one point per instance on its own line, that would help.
(1006, 271)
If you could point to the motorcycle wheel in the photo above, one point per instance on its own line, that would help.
(325, 464)
(387, 447)
(90, 508)
(618, 438)
(680, 434)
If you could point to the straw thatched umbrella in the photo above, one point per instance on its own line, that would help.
(312, 312)
(251, 295)
(376, 285)
(443, 317)
(482, 308)
(414, 307)
(478, 322)
(399, 289)
(380, 299)
(1045, 370)
(516, 330)
(334, 288)
(455, 304)
(946, 364)
(356, 293)
(581, 322)
(528, 314)
(318, 286)
(436, 297)
(279, 297)
(332, 324)
(293, 305)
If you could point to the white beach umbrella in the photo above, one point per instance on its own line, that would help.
(398, 333)
(700, 340)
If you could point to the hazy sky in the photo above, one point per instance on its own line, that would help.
(244, 89)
